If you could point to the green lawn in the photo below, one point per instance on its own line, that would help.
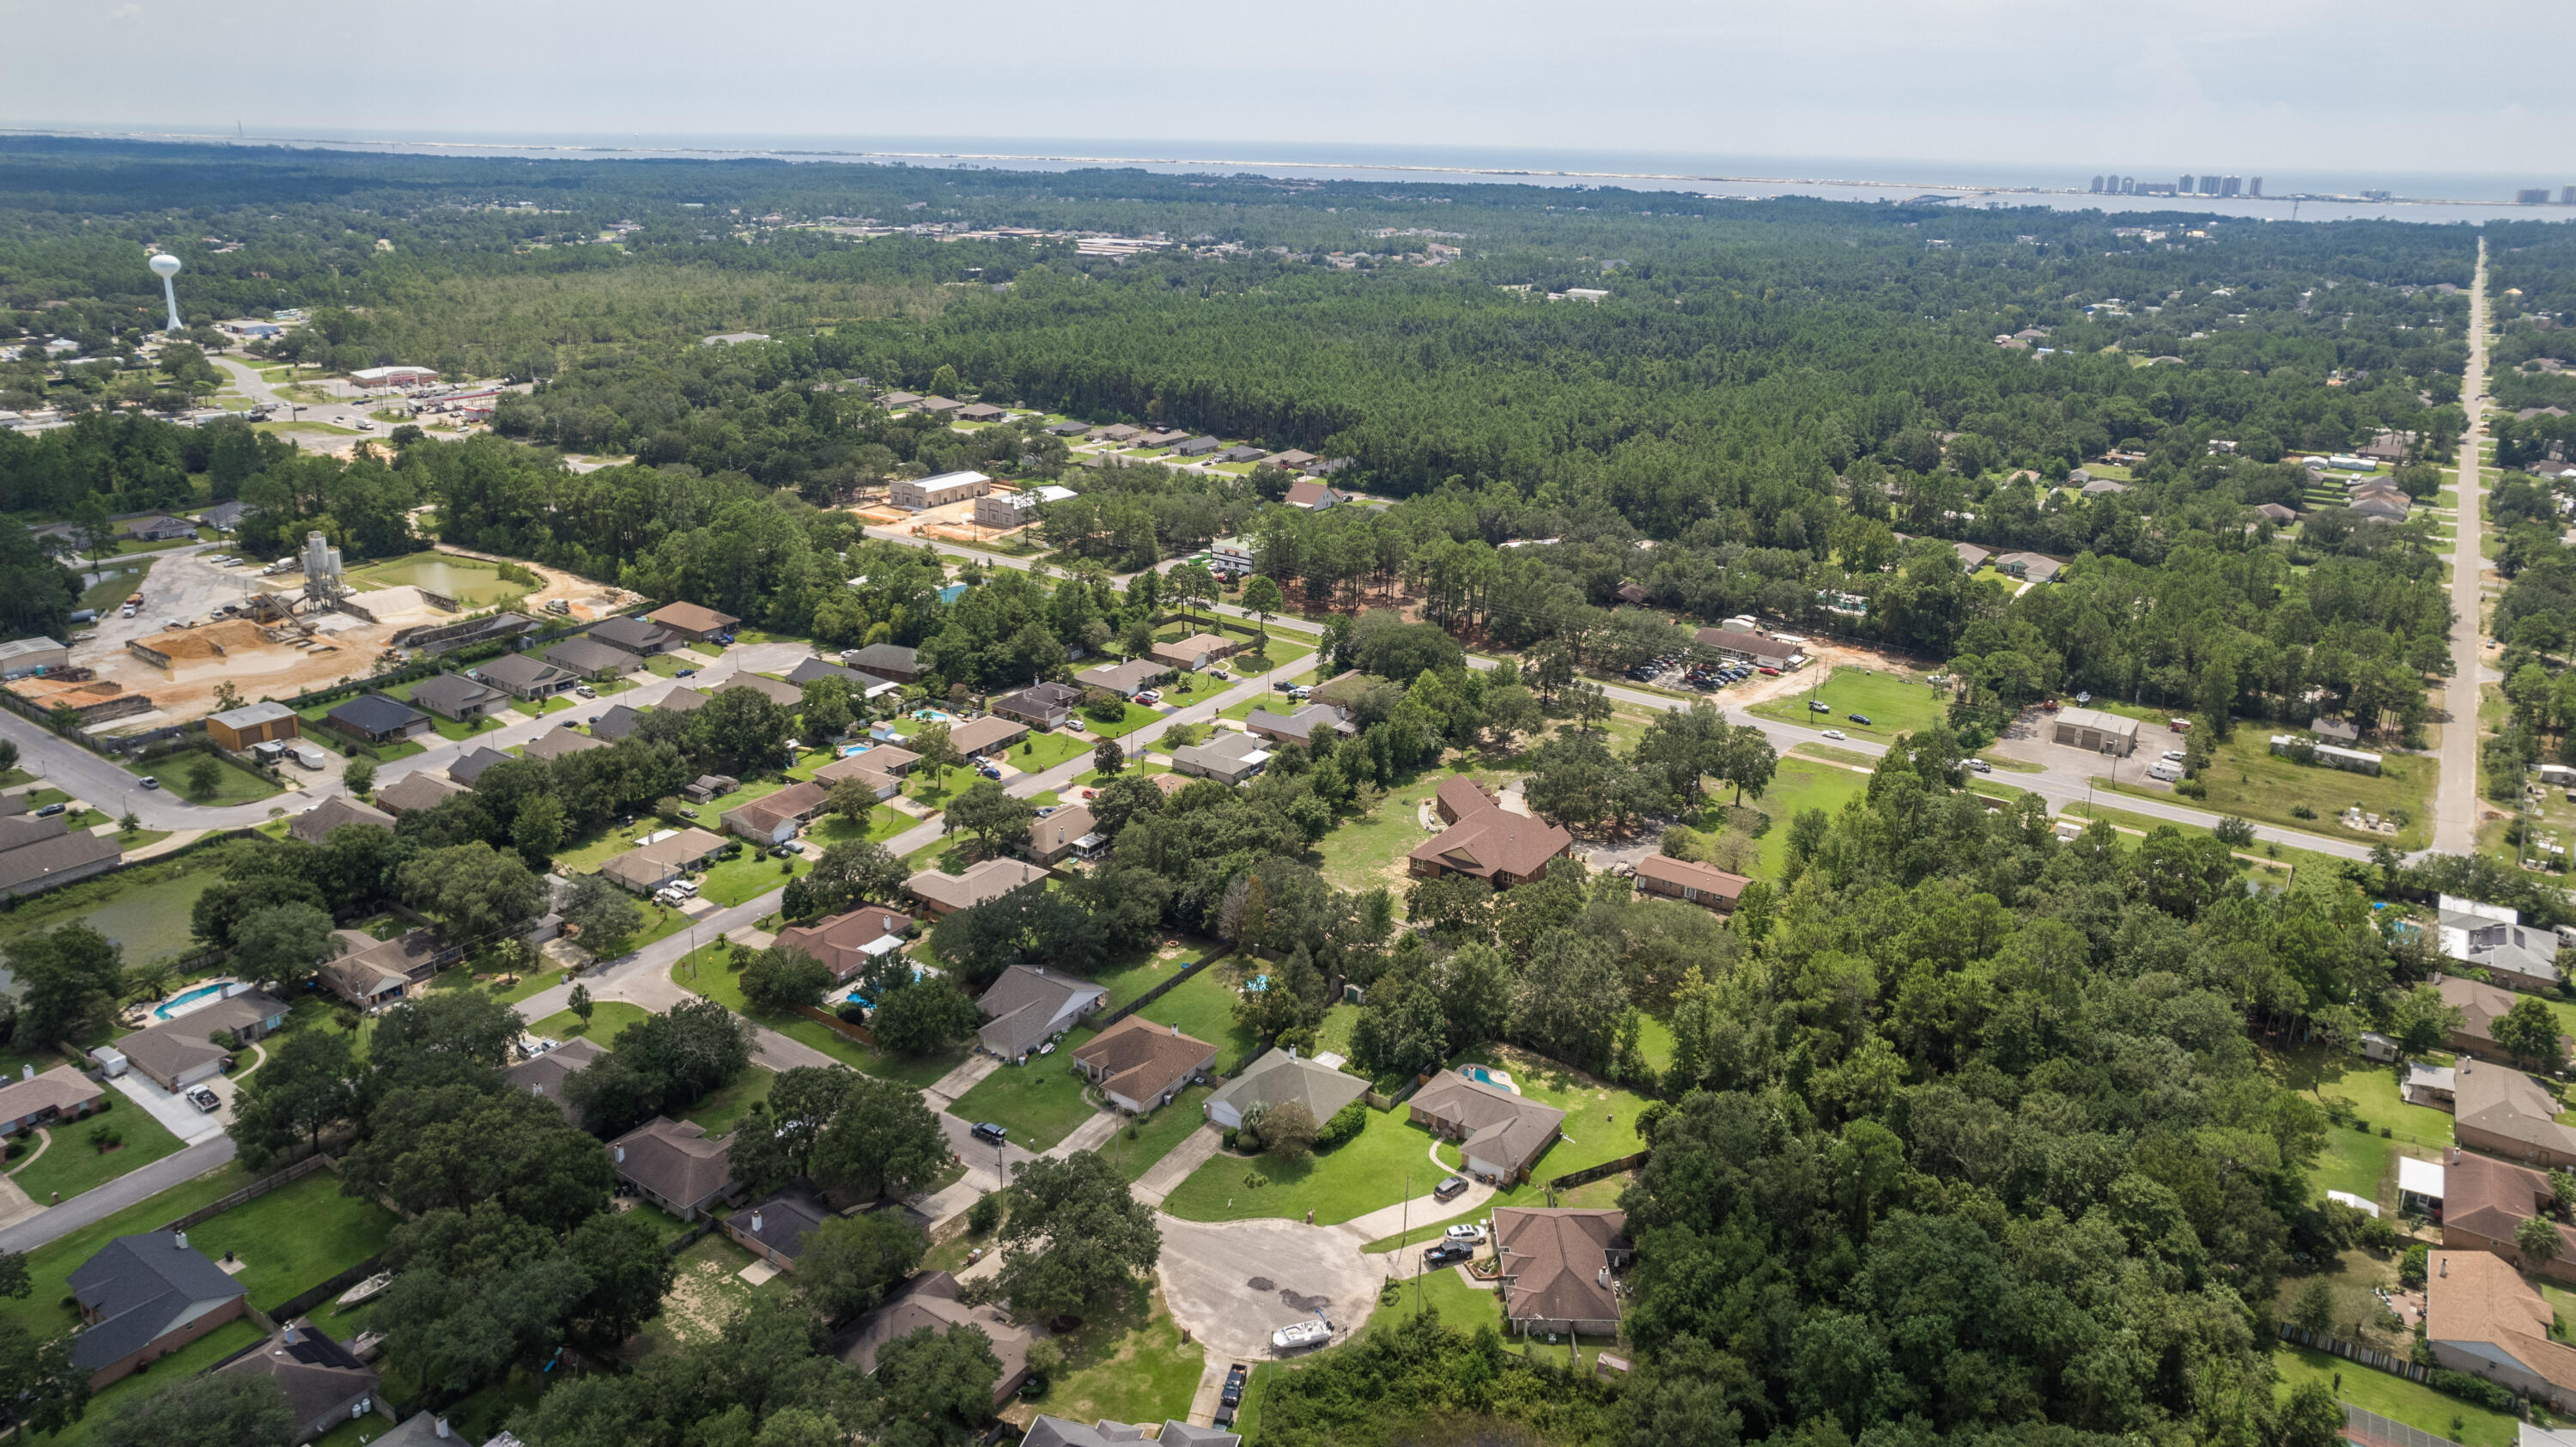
(718, 1112)
(234, 784)
(608, 1018)
(50, 1266)
(113, 588)
(2394, 1397)
(2361, 1161)
(1894, 705)
(745, 878)
(71, 1165)
(1203, 1006)
(1039, 1103)
(2246, 778)
(1600, 1120)
(1133, 975)
(1370, 1171)
(1189, 688)
(295, 1237)
(1040, 752)
(1367, 851)
(705, 973)
(1156, 1134)
(1136, 716)
(883, 824)
(1127, 1362)
(1460, 1306)
(1800, 784)
(1274, 701)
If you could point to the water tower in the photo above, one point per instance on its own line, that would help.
(166, 266)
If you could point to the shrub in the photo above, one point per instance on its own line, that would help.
(1231, 1137)
(2302, 811)
(2192, 789)
(985, 1216)
(1345, 1125)
(2411, 1268)
(2493, 1395)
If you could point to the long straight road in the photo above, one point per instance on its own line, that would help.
(2455, 801)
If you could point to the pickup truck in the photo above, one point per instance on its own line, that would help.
(1235, 1376)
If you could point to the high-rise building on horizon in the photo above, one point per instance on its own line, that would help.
(2532, 196)
(2097, 185)
(2184, 188)
(2254, 187)
(2567, 195)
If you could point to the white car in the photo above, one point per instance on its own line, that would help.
(1298, 1335)
(1981, 766)
(1466, 1233)
(1835, 734)
(2173, 756)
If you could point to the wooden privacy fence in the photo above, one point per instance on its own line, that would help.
(1179, 977)
(304, 1301)
(844, 1028)
(2353, 1351)
(253, 1191)
(1594, 1173)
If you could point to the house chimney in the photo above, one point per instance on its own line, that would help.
(440, 1427)
(1292, 1052)
(621, 1155)
(755, 1221)
(292, 1336)
(1176, 1027)
(2446, 1266)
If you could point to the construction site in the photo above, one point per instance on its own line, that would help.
(276, 631)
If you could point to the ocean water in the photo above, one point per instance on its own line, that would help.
(2309, 195)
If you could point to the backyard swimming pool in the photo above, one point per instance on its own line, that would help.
(187, 1000)
(1495, 1078)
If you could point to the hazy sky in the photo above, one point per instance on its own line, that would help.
(2147, 86)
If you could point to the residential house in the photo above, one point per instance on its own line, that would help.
(1068, 429)
(2032, 567)
(1312, 496)
(809, 669)
(662, 858)
(144, 1297)
(945, 894)
(1501, 1135)
(929, 1302)
(681, 699)
(1040, 705)
(1276, 1077)
(2094, 731)
(1196, 447)
(775, 1230)
(545, 1073)
(694, 621)
(1228, 758)
(1125, 679)
(2335, 730)
(378, 719)
(986, 736)
(2279, 515)
(2484, 1203)
(2101, 486)
(183, 1050)
(469, 766)
(41, 854)
(2381, 507)
(62, 1093)
(640, 636)
(939, 406)
(589, 658)
(1118, 432)
(1971, 557)
(709, 786)
(1030, 1005)
(226, 516)
(241, 729)
(2493, 938)
(554, 743)
(524, 675)
(1140, 1065)
(846, 944)
(2480, 1006)
(2354, 761)
(2482, 1318)
(898, 401)
(889, 661)
(773, 819)
(769, 688)
(1683, 879)
(1300, 726)
(160, 529)
(675, 1165)
(323, 1384)
(1194, 652)
(1630, 593)
(457, 697)
(2505, 1112)
(1067, 833)
(617, 722)
(929, 492)
(1486, 840)
(378, 972)
(315, 824)
(1046, 1431)
(863, 767)
(1294, 459)
(1557, 1269)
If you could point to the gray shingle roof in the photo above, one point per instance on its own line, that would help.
(142, 1288)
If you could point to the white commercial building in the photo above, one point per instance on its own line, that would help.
(947, 487)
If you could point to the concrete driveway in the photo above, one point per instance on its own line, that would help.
(1232, 1283)
(181, 1119)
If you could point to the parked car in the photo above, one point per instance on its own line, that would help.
(50, 810)
(1299, 1335)
(1859, 718)
(1448, 1253)
(1234, 1378)
(988, 771)
(1769, 672)
(585, 690)
(205, 1100)
(686, 673)
(2173, 756)
(1981, 766)
(1817, 705)
(150, 782)
(989, 1133)
(1835, 734)
(1450, 1189)
(1149, 695)
(1466, 1231)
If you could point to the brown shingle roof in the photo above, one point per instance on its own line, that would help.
(840, 942)
(315, 824)
(929, 1301)
(2491, 1198)
(692, 618)
(1141, 1060)
(2472, 1297)
(675, 1160)
(1689, 874)
(63, 1087)
(1495, 841)
(1499, 1126)
(985, 733)
(1553, 1262)
(2505, 1102)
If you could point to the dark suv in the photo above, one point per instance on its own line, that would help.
(989, 1133)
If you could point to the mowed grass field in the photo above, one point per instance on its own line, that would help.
(1894, 704)
(1801, 783)
(2247, 779)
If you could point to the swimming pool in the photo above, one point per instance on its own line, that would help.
(1494, 1078)
(187, 1000)
(933, 715)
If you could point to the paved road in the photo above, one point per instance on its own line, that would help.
(101, 1202)
(2455, 800)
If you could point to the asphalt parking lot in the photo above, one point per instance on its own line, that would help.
(1232, 1283)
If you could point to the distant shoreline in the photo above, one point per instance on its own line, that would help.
(1967, 193)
